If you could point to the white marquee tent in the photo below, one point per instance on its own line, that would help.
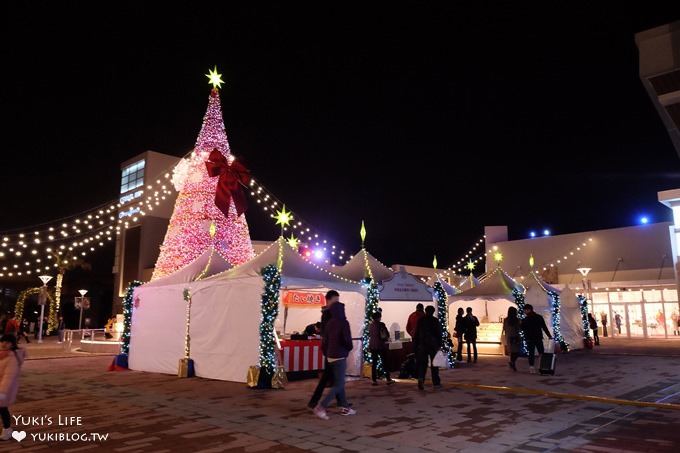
(225, 316)
(208, 263)
(355, 269)
(571, 320)
(399, 297)
(489, 300)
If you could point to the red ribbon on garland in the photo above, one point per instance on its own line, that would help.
(229, 184)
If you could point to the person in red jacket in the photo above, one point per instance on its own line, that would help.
(12, 326)
(413, 319)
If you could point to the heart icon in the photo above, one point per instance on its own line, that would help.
(19, 435)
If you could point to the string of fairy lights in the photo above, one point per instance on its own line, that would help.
(571, 254)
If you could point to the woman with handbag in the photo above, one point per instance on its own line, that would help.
(378, 337)
(511, 335)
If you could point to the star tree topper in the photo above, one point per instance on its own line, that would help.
(214, 78)
(470, 266)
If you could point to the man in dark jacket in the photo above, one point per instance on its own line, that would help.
(471, 323)
(426, 343)
(533, 326)
(332, 297)
(337, 342)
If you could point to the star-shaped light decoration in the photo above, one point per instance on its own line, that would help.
(282, 217)
(362, 233)
(470, 266)
(293, 241)
(498, 257)
(212, 229)
(531, 261)
(214, 78)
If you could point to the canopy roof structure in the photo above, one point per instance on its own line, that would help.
(355, 269)
(405, 287)
(497, 283)
(469, 282)
(209, 263)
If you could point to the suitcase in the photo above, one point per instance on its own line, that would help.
(547, 362)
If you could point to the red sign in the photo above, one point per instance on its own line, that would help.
(303, 299)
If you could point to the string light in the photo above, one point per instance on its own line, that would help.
(443, 317)
(270, 310)
(128, 307)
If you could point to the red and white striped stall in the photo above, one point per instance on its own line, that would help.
(302, 355)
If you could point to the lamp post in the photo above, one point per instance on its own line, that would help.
(82, 303)
(586, 283)
(42, 300)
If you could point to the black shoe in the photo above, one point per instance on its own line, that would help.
(421, 385)
(374, 383)
(437, 386)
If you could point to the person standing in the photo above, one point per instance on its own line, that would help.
(617, 320)
(413, 319)
(61, 326)
(337, 341)
(592, 323)
(378, 337)
(22, 331)
(471, 323)
(426, 343)
(675, 320)
(533, 326)
(513, 339)
(603, 317)
(459, 329)
(11, 359)
(332, 296)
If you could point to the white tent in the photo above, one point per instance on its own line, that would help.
(399, 297)
(355, 269)
(537, 295)
(468, 283)
(208, 263)
(489, 300)
(571, 320)
(225, 316)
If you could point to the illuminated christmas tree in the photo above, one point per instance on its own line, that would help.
(210, 196)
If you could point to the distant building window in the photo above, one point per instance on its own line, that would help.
(133, 177)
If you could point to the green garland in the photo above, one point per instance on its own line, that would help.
(270, 310)
(519, 300)
(557, 330)
(52, 313)
(372, 300)
(443, 316)
(128, 306)
(583, 303)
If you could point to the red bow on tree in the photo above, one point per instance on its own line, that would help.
(228, 186)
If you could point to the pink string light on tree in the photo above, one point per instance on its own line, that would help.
(188, 234)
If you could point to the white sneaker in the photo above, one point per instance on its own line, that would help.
(532, 370)
(347, 411)
(6, 433)
(321, 413)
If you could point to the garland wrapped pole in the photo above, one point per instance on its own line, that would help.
(557, 330)
(587, 338)
(186, 364)
(120, 362)
(270, 310)
(519, 300)
(372, 299)
(443, 316)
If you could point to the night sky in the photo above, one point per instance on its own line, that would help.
(428, 123)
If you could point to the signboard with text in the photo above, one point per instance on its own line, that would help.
(406, 287)
(303, 299)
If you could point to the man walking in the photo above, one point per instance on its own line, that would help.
(533, 326)
(332, 297)
(426, 343)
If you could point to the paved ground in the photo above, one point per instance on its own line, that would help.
(482, 407)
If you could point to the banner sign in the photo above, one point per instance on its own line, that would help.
(303, 299)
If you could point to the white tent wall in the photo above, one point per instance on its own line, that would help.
(571, 320)
(158, 329)
(542, 303)
(395, 314)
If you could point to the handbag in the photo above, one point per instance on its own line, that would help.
(440, 360)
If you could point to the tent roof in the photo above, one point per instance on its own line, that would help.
(533, 279)
(450, 290)
(405, 287)
(210, 262)
(355, 269)
(468, 283)
(293, 266)
(497, 283)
